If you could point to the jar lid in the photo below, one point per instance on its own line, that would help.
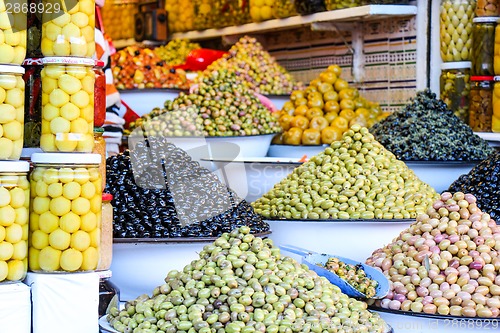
(107, 197)
(33, 61)
(27, 152)
(11, 69)
(105, 274)
(457, 64)
(69, 61)
(98, 130)
(66, 158)
(482, 78)
(99, 63)
(486, 19)
(14, 166)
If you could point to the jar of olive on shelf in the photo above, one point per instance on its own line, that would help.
(456, 29)
(487, 8)
(483, 45)
(495, 118)
(481, 103)
(455, 87)
(496, 51)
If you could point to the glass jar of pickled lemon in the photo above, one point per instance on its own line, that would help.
(65, 212)
(455, 29)
(13, 31)
(11, 111)
(106, 233)
(481, 103)
(495, 118)
(14, 202)
(455, 87)
(67, 105)
(70, 31)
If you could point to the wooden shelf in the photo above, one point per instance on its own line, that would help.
(363, 13)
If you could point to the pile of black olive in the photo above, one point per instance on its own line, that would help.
(426, 130)
(159, 192)
(483, 182)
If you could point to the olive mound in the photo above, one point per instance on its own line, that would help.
(426, 130)
(354, 178)
(159, 192)
(240, 283)
(445, 263)
(256, 68)
(219, 106)
(482, 181)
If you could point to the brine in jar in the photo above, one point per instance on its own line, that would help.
(456, 29)
(481, 103)
(495, 118)
(67, 105)
(13, 24)
(455, 87)
(106, 233)
(483, 46)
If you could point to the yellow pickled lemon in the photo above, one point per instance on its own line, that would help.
(58, 97)
(13, 233)
(70, 111)
(94, 175)
(49, 84)
(88, 33)
(205, 9)
(81, 175)
(70, 222)
(61, 48)
(50, 112)
(66, 175)
(39, 239)
(96, 204)
(4, 197)
(55, 190)
(80, 206)
(5, 23)
(266, 12)
(20, 250)
(60, 125)
(34, 221)
(49, 259)
(87, 113)
(255, 14)
(6, 148)
(72, 190)
(86, 143)
(3, 95)
(79, 125)
(48, 222)
(88, 222)
(7, 113)
(59, 239)
(41, 189)
(2, 233)
(8, 216)
(62, 20)
(6, 53)
(60, 206)
(48, 142)
(33, 259)
(65, 142)
(15, 97)
(50, 176)
(47, 47)
(80, 19)
(12, 38)
(53, 71)
(4, 270)
(6, 250)
(8, 82)
(90, 49)
(46, 126)
(87, 6)
(16, 270)
(88, 190)
(13, 130)
(70, 32)
(71, 260)
(79, 47)
(90, 259)
(88, 84)
(69, 84)
(17, 197)
(95, 237)
(22, 216)
(80, 240)
(81, 99)
(74, 9)
(52, 31)
(19, 54)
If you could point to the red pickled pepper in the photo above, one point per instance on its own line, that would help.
(99, 95)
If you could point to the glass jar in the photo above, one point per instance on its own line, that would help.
(118, 18)
(483, 45)
(261, 10)
(65, 212)
(455, 87)
(106, 233)
(11, 111)
(306, 7)
(231, 12)
(495, 118)
(34, 33)
(14, 199)
(67, 105)
(99, 94)
(13, 41)
(496, 51)
(180, 15)
(339, 4)
(284, 9)
(203, 14)
(487, 8)
(481, 103)
(100, 148)
(69, 32)
(33, 101)
(456, 29)
(108, 293)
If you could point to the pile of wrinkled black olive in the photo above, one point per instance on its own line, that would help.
(482, 181)
(426, 130)
(159, 192)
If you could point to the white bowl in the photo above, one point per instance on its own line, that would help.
(295, 151)
(352, 239)
(440, 174)
(143, 101)
(252, 177)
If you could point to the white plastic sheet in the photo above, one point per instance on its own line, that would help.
(15, 308)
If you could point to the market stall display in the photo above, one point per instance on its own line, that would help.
(137, 67)
(256, 68)
(231, 276)
(445, 263)
(176, 51)
(354, 178)
(143, 192)
(219, 106)
(426, 130)
(456, 29)
(322, 112)
(118, 18)
(482, 181)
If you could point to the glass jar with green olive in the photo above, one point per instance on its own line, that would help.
(456, 29)
(483, 45)
(481, 103)
(455, 87)
(496, 51)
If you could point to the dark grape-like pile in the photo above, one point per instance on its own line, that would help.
(159, 192)
(426, 130)
(483, 181)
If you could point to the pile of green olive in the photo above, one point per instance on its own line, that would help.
(446, 263)
(354, 178)
(241, 284)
